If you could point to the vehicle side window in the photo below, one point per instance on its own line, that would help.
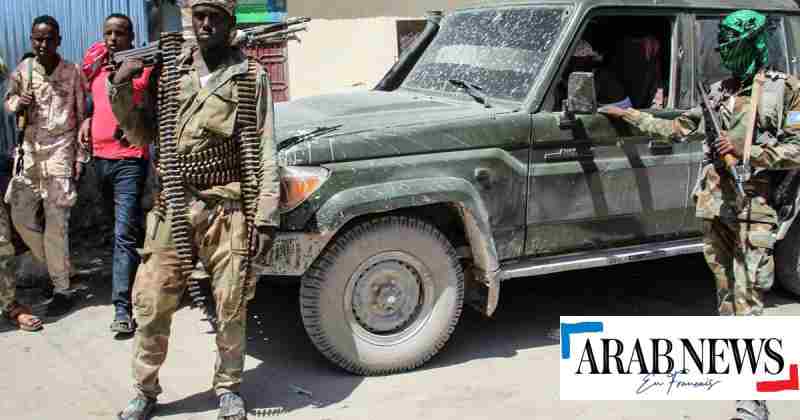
(710, 69)
(629, 56)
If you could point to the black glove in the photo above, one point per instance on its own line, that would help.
(261, 240)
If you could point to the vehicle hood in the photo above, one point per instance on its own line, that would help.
(378, 124)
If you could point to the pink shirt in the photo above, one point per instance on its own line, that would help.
(104, 123)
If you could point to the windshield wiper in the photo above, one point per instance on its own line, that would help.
(306, 135)
(473, 90)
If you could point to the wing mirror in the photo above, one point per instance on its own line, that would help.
(581, 97)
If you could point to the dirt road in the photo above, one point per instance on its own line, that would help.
(505, 368)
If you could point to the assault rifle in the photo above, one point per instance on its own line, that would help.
(740, 174)
(150, 54)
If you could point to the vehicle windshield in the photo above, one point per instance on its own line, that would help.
(499, 50)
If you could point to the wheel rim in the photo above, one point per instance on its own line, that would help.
(388, 298)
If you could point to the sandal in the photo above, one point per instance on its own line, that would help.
(123, 326)
(22, 317)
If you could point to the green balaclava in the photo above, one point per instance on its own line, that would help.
(743, 43)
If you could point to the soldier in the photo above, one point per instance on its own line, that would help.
(212, 125)
(739, 236)
(50, 90)
(19, 315)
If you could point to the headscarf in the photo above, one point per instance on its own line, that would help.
(743, 43)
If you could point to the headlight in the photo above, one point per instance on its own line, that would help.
(298, 183)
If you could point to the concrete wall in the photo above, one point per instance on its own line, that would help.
(342, 55)
(350, 9)
(350, 43)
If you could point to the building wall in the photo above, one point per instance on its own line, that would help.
(350, 44)
(342, 55)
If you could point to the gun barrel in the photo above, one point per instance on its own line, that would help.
(148, 54)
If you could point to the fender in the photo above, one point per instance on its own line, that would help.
(389, 196)
(293, 253)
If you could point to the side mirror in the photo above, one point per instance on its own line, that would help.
(581, 93)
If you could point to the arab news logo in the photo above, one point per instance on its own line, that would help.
(742, 350)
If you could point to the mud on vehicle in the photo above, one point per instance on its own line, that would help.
(474, 162)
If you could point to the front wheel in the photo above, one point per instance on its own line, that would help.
(384, 297)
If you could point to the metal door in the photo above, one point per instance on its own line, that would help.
(274, 58)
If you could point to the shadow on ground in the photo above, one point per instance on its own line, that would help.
(290, 374)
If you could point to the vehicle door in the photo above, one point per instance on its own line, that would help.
(598, 183)
(709, 69)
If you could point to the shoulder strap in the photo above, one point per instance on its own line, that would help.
(755, 99)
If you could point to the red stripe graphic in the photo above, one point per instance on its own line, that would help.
(792, 384)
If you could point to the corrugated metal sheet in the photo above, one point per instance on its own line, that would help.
(81, 24)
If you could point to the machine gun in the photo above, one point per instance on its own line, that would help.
(150, 54)
(740, 174)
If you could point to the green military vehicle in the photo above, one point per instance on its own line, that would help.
(477, 163)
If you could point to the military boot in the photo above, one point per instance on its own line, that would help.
(139, 408)
(231, 407)
(751, 410)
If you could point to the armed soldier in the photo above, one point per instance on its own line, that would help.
(754, 105)
(17, 314)
(220, 195)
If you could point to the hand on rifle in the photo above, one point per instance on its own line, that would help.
(725, 147)
(131, 68)
(25, 100)
(78, 170)
(85, 133)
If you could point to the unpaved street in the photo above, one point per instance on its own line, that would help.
(505, 368)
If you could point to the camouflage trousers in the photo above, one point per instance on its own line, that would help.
(40, 210)
(220, 241)
(8, 284)
(742, 263)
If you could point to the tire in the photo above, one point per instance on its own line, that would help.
(383, 297)
(787, 260)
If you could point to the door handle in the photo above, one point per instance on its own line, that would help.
(570, 153)
(660, 147)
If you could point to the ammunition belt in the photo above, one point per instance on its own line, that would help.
(172, 194)
(218, 165)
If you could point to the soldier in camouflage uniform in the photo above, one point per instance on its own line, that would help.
(739, 236)
(17, 314)
(208, 101)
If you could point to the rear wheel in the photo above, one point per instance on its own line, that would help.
(384, 297)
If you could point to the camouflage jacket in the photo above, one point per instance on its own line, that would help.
(207, 113)
(776, 143)
(51, 136)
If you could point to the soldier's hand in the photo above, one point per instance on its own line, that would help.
(612, 111)
(725, 147)
(85, 133)
(25, 100)
(129, 69)
(78, 170)
(261, 241)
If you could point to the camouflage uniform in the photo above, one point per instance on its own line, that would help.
(207, 116)
(51, 149)
(739, 249)
(8, 286)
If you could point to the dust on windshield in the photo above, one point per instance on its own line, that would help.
(499, 50)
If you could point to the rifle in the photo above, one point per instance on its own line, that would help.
(150, 54)
(740, 174)
(22, 124)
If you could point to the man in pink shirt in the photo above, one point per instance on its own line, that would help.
(121, 169)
